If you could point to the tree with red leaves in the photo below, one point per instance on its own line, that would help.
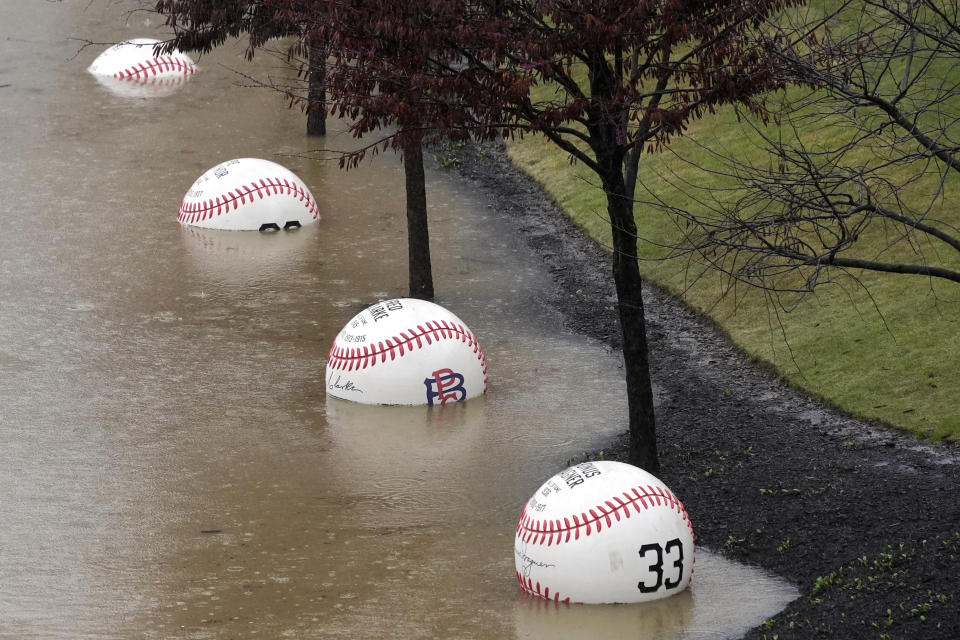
(389, 80)
(608, 81)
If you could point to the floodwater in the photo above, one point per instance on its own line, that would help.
(170, 466)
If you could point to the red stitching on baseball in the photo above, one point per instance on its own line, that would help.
(350, 359)
(552, 531)
(526, 584)
(149, 67)
(191, 212)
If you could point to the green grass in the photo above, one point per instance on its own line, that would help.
(885, 348)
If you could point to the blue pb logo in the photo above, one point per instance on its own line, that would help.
(445, 385)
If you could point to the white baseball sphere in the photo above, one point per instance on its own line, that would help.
(248, 194)
(604, 532)
(135, 61)
(406, 352)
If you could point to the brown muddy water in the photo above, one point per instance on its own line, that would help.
(170, 466)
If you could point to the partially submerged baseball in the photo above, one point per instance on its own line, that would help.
(604, 532)
(248, 194)
(134, 61)
(406, 352)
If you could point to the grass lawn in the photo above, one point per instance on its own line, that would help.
(886, 347)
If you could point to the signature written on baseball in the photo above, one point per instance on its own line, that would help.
(344, 385)
(527, 563)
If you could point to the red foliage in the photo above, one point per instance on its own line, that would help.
(201, 25)
(640, 68)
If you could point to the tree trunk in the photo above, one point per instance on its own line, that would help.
(631, 168)
(316, 94)
(607, 142)
(418, 235)
(629, 284)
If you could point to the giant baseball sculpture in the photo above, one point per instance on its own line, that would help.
(603, 532)
(134, 61)
(406, 352)
(248, 194)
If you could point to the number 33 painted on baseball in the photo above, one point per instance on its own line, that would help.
(657, 565)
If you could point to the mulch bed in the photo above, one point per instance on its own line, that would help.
(864, 520)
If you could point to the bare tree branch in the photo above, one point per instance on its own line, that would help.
(879, 73)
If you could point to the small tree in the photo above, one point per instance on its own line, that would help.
(400, 71)
(622, 77)
(383, 79)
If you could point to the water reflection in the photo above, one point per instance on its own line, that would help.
(148, 88)
(247, 257)
(407, 459)
(724, 600)
(668, 618)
